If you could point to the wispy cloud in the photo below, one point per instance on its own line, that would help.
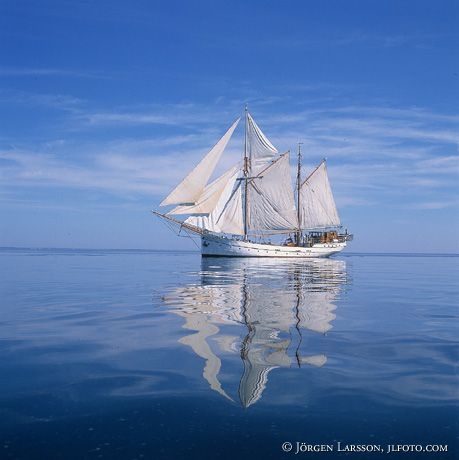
(49, 72)
(355, 38)
(139, 118)
(183, 115)
(40, 100)
(434, 205)
(374, 153)
(32, 169)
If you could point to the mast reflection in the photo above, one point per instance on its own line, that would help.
(261, 309)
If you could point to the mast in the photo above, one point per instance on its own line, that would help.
(246, 175)
(298, 186)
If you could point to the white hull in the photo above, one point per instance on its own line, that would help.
(213, 245)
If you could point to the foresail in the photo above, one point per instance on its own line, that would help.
(230, 219)
(318, 208)
(191, 188)
(271, 204)
(226, 217)
(259, 149)
(209, 197)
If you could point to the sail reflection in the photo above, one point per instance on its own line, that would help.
(260, 309)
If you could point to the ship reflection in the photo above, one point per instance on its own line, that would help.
(260, 309)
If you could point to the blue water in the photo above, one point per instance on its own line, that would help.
(162, 355)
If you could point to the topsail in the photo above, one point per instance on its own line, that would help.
(259, 148)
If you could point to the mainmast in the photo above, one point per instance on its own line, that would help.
(298, 187)
(246, 175)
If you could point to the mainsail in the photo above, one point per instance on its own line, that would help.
(271, 204)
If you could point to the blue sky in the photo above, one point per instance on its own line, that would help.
(104, 105)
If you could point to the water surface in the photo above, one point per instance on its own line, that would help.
(137, 354)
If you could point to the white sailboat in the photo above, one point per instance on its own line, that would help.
(241, 213)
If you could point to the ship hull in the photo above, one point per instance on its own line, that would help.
(213, 245)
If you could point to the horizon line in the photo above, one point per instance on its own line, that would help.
(350, 253)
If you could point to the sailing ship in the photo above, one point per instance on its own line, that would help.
(271, 314)
(253, 209)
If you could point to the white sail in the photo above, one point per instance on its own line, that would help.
(259, 149)
(191, 188)
(271, 204)
(231, 219)
(209, 197)
(317, 205)
(226, 217)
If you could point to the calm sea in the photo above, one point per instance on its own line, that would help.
(162, 355)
